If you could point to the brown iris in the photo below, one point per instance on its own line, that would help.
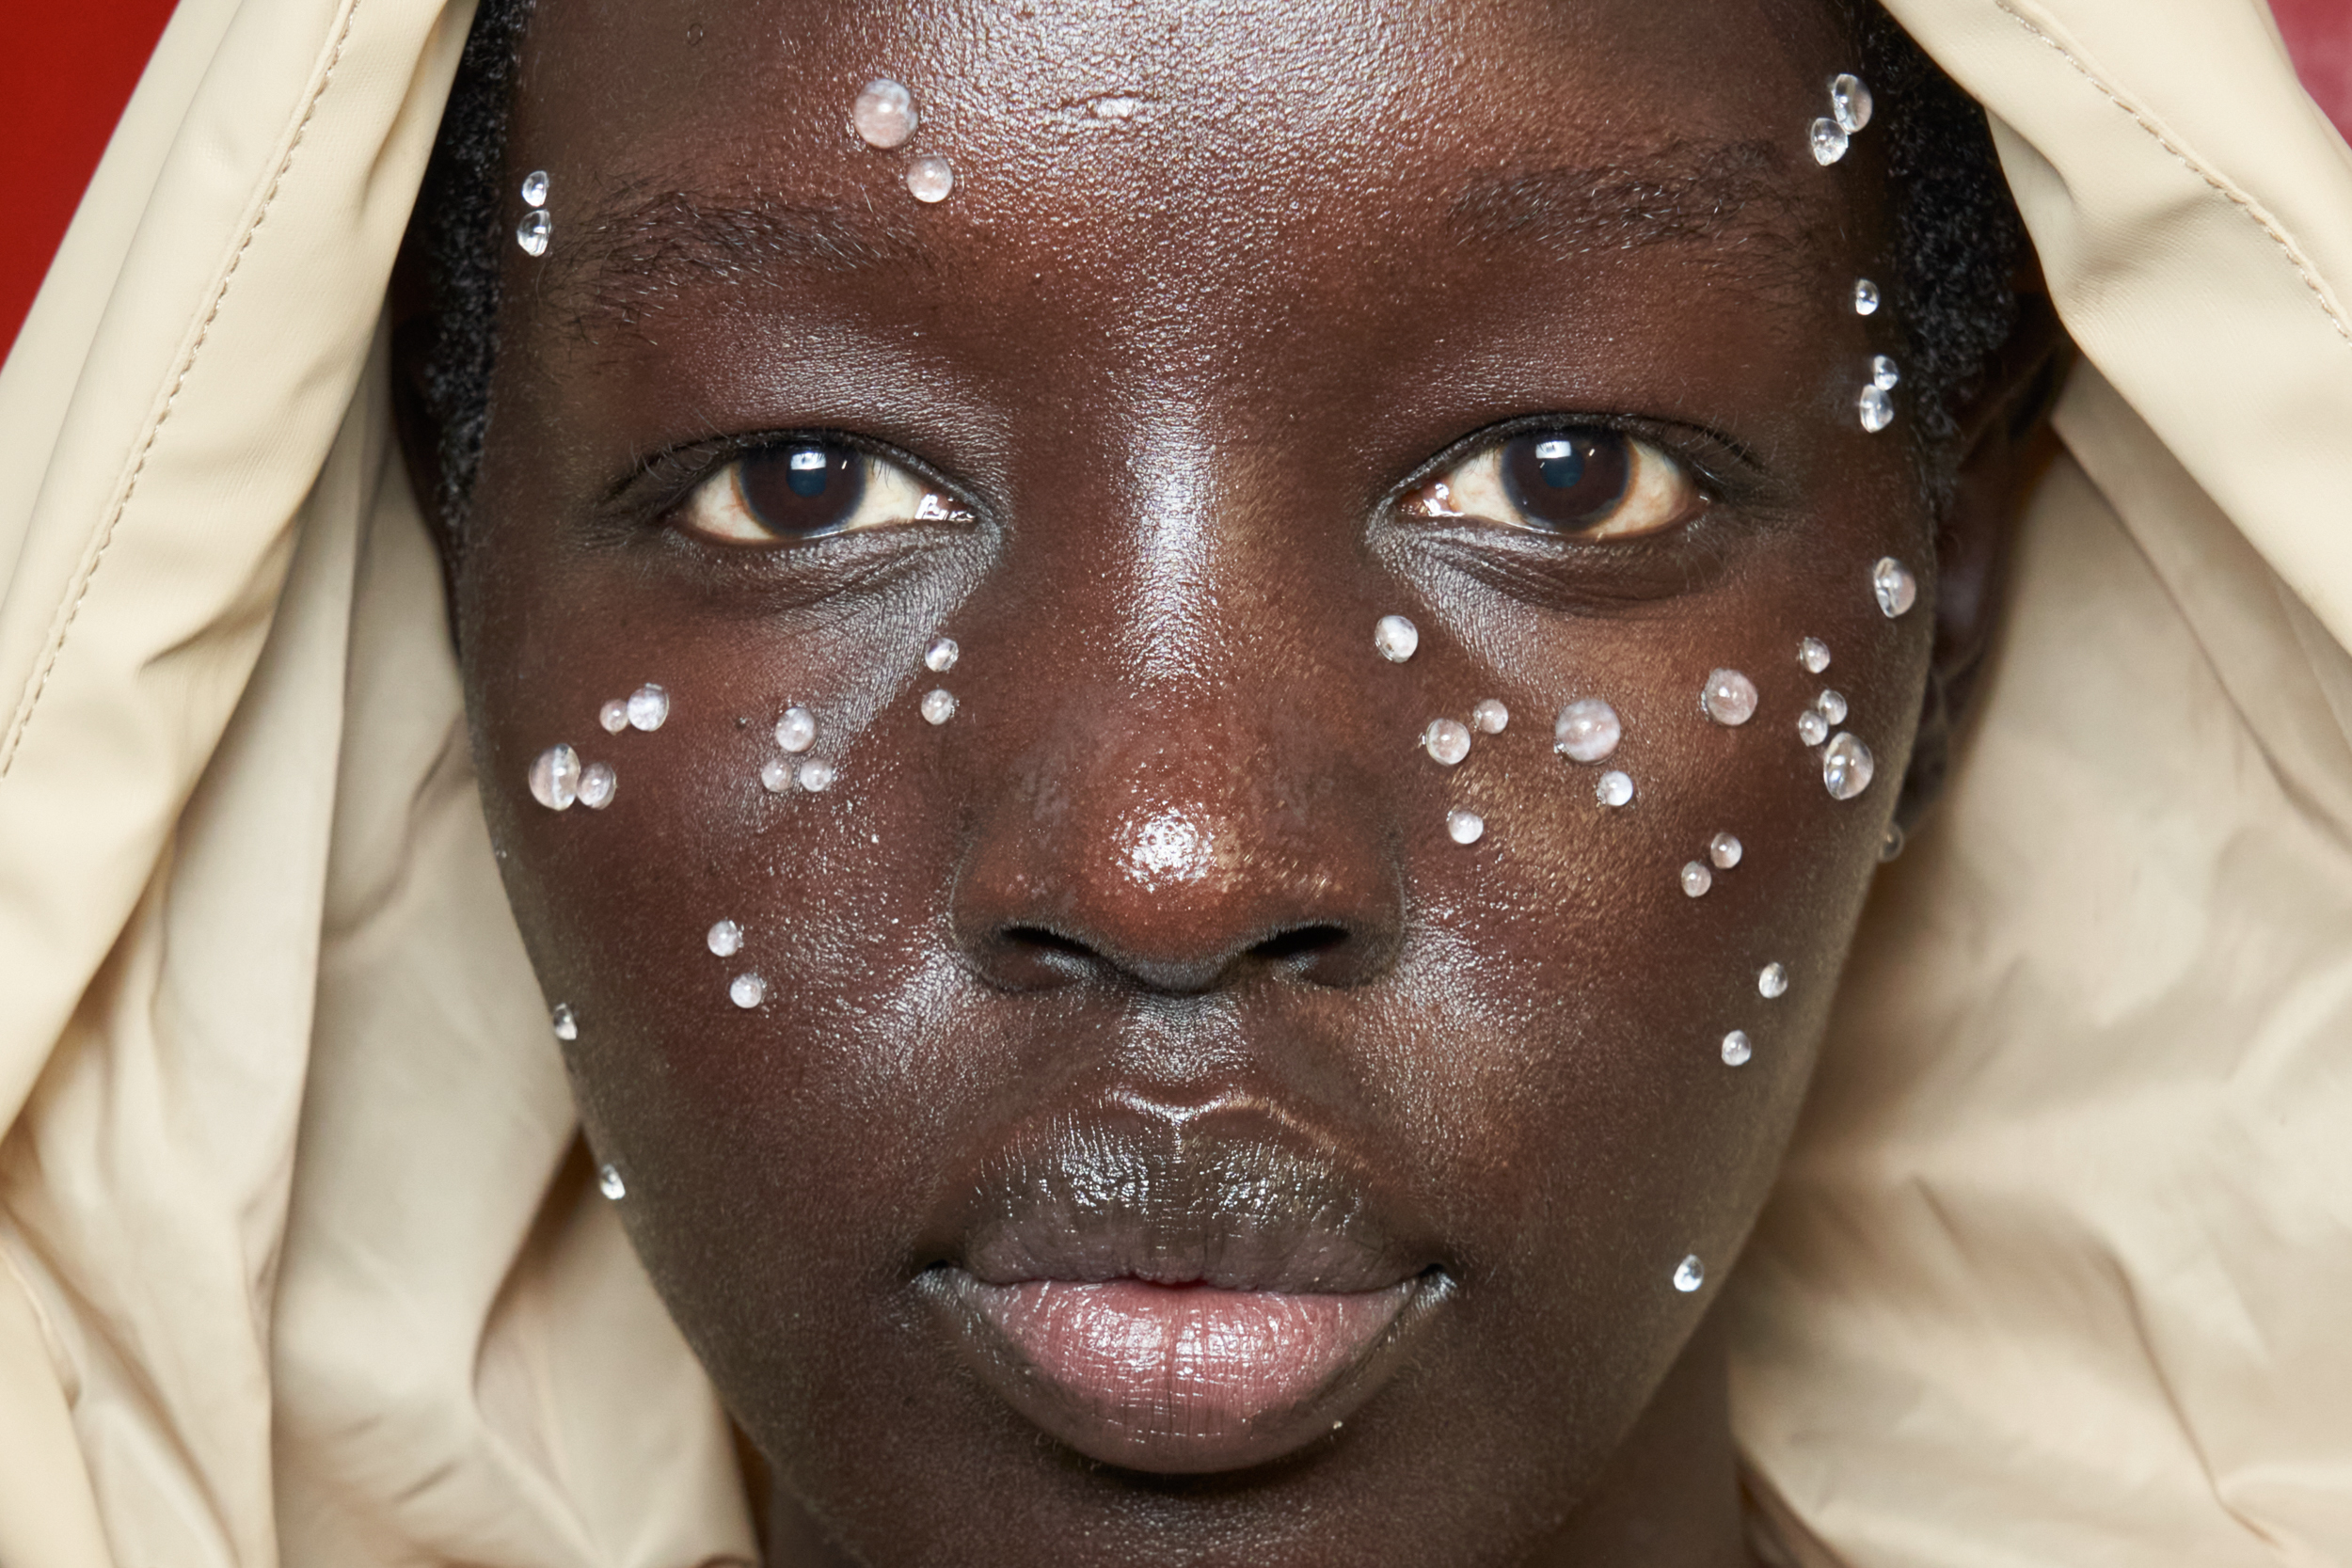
(1568, 480)
(801, 490)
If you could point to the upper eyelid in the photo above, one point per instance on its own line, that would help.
(1671, 439)
(698, 463)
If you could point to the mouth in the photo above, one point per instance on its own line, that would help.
(1182, 1297)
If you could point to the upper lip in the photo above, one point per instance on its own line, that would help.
(1236, 1195)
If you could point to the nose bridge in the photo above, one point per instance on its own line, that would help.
(1189, 797)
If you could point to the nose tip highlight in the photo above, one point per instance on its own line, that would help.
(1179, 874)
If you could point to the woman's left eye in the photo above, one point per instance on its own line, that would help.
(797, 490)
(1582, 481)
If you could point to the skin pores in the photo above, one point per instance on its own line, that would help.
(1155, 969)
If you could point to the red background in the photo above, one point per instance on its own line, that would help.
(66, 70)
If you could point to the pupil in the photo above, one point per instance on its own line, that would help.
(1568, 480)
(802, 490)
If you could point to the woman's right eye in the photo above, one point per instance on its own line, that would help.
(800, 490)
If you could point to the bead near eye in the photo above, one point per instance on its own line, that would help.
(1582, 481)
(800, 490)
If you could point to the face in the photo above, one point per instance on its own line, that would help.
(1210, 941)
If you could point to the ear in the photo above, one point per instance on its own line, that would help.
(2007, 445)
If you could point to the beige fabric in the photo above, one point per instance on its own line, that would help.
(298, 1240)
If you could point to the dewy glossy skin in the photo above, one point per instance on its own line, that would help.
(1159, 1139)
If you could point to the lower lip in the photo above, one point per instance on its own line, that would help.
(1182, 1378)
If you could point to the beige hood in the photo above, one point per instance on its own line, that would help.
(298, 1261)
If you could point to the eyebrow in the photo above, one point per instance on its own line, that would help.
(640, 245)
(1716, 195)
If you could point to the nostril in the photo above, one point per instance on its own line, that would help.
(1043, 940)
(1300, 946)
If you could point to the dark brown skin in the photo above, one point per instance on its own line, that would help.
(1180, 368)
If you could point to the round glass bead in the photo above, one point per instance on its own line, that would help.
(1696, 879)
(884, 114)
(613, 716)
(1614, 789)
(1724, 850)
(533, 231)
(795, 732)
(1831, 706)
(1885, 374)
(815, 776)
(535, 188)
(596, 783)
(608, 1182)
(941, 655)
(1396, 638)
(726, 939)
(929, 178)
(1736, 1049)
(1812, 728)
(1690, 1274)
(1828, 141)
(939, 705)
(1846, 766)
(1490, 718)
(1465, 827)
(747, 990)
(1588, 730)
(648, 707)
(555, 778)
(1894, 586)
(1772, 983)
(775, 775)
(567, 1025)
(1814, 654)
(1875, 408)
(1865, 297)
(1850, 101)
(1729, 697)
(1446, 741)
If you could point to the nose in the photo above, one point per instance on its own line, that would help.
(1180, 850)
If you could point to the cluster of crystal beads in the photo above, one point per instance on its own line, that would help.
(536, 227)
(1848, 112)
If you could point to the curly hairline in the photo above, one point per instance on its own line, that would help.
(1958, 243)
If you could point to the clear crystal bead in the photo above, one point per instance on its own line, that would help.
(1465, 827)
(816, 776)
(726, 939)
(1885, 374)
(884, 114)
(1588, 730)
(929, 178)
(1724, 850)
(1614, 789)
(648, 707)
(1895, 588)
(596, 783)
(1696, 879)
(775, 775)
(1876, 408)
(613, 716)
(535, 188)
(1772, 984)
(939, 705)
(1831, 706)
(1690, 1274)
(1812, 728)
(1729, 697)
(1446, 741)
(747, 990)
(941, 655)
(1490, 718)
(533, 231)
(1865, 297)
(1814, 654)
(795, 732)
(1846, 766)
(555, 778)
(608, 1182)
(1396, 638)
(1736, 1049)
(567, 1025)
(1829, 141)
(1850, 101)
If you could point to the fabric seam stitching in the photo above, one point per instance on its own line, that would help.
(2253, 210)
(89, 573)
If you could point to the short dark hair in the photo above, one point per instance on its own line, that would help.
(1952, 299)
